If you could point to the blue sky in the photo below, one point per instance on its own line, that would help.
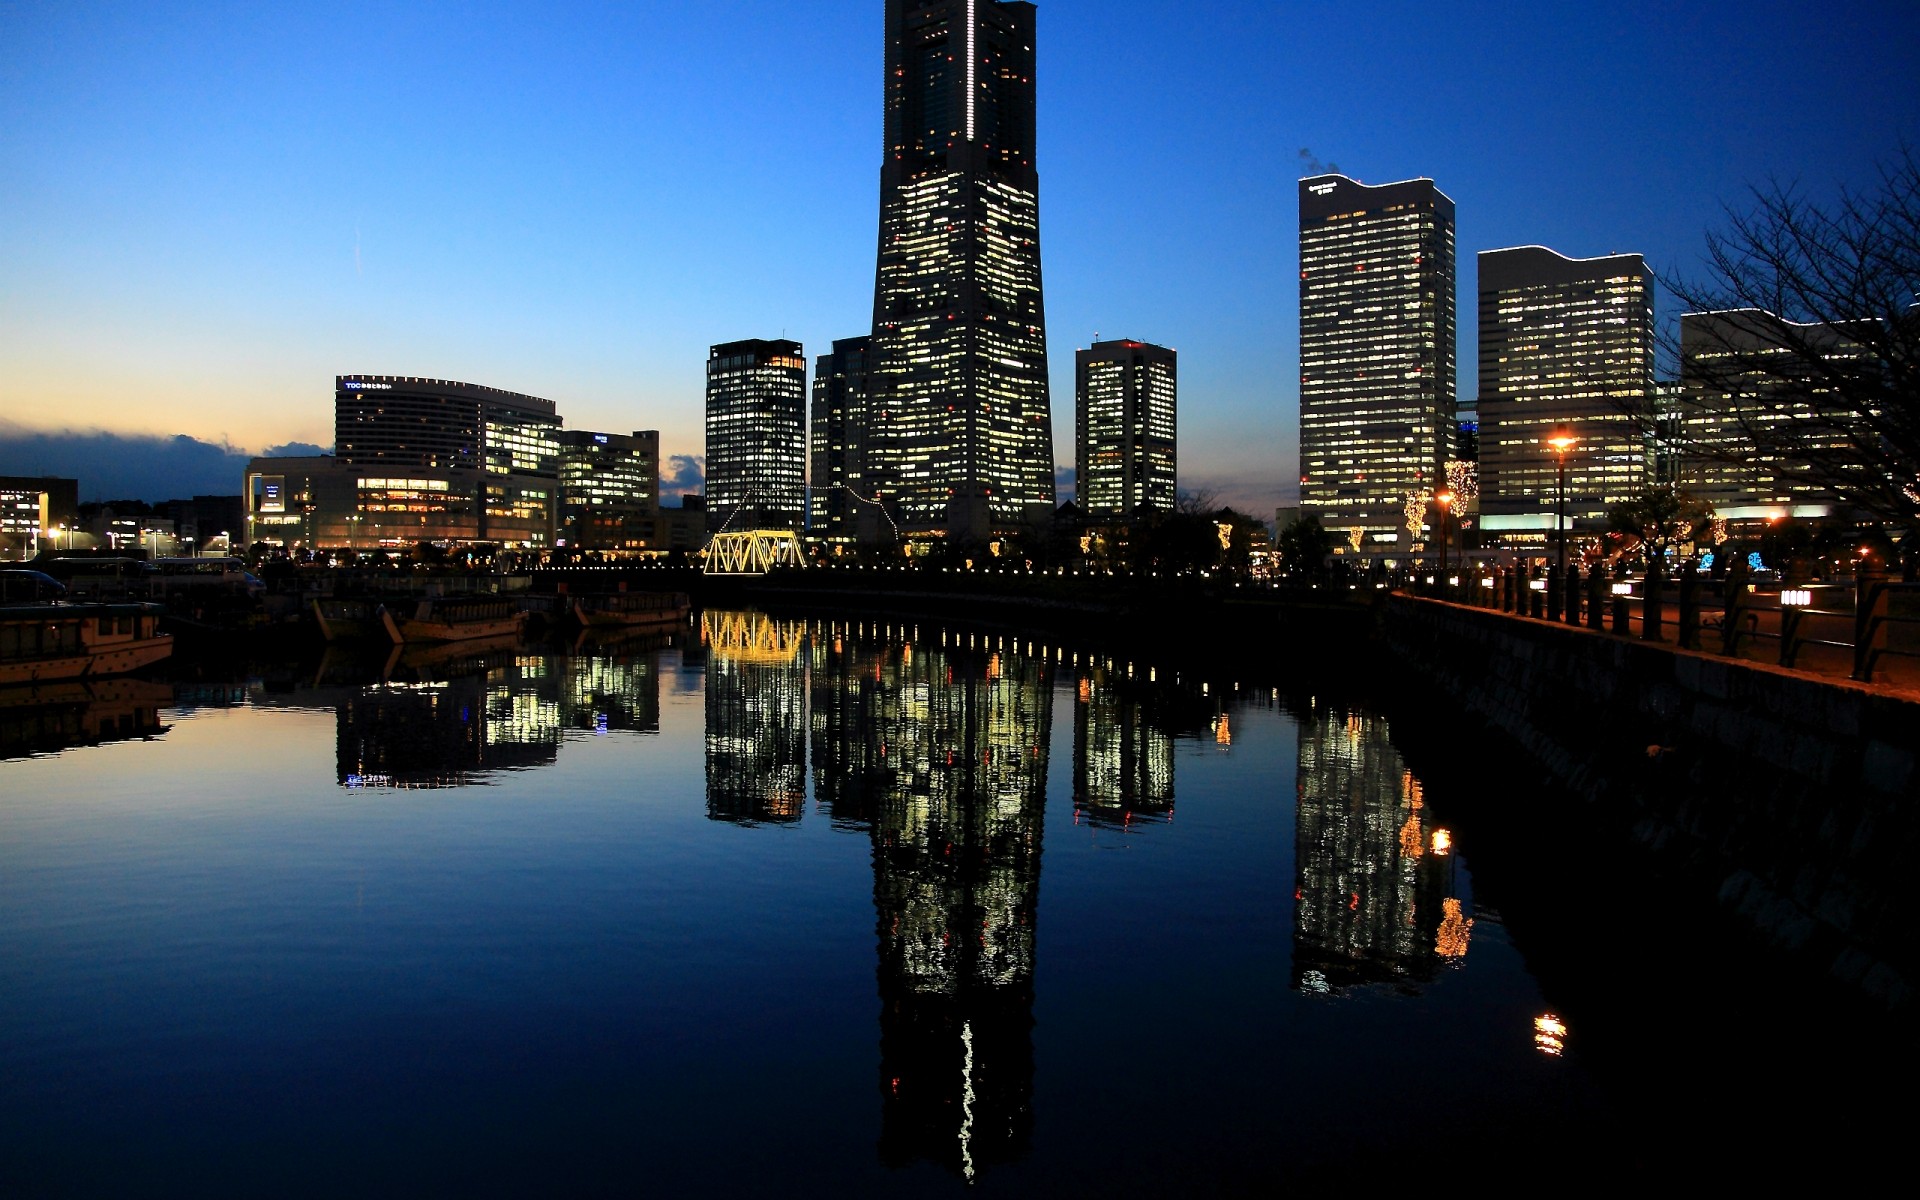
(206, 212)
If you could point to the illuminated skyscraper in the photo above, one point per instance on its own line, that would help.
(1566, 345)
(841, 425)
(1376, 349)
(963, 437)
(756, 435)
(1124, 402)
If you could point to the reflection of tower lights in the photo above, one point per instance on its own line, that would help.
(1455, 928)
(1222, 731)
(1549, 1035)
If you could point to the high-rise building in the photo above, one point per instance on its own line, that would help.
(963, 434)
(839, 484)
(609, 489)
(1376, 350)
(756, 435)
(1124, 455)
(1751, 422)
(438, 460)
(1566, 349)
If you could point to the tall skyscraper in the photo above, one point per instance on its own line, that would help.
(756, 435)
(1566, 347)
(840, 430)
(963, 433)
(1376, 349)
(1124, 408)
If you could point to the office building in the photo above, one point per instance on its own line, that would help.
(1566, 349)
(36, 512)
(756, 436)
(1755, 440)
(609, 490)
(1124, 408)
(416, 460)
(442, 461)
(1376, 351)
(963, 437)
(840, 495)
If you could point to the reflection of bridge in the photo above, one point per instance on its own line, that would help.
(751, 637)
(753, 552)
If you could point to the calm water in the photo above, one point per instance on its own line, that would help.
(784, 907)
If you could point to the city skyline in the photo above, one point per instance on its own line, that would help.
(215, 218)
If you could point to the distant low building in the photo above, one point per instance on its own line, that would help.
(34, 511)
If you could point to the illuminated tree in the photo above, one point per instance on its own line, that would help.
(1416, 514)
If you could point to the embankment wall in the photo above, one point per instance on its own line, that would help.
(1793, 798)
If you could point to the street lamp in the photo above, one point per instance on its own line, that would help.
(1444, 498)
(1561, 441)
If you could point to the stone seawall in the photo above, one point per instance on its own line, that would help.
(1794, 798)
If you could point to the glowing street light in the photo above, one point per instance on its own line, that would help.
(1561, 441)
(1444, 498)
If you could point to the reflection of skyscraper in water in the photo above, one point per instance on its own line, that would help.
(1371, 873)
(945, 748)
(612, 689)
(444, 732)
(1122, 753)
(756, 726)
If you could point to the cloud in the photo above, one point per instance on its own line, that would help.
(682, 475)
(114, 466)
(1064, 488)
(295, 450)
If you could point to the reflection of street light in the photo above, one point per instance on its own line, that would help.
(1561, 443)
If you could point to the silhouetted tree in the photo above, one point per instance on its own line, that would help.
(1834, 346)
(1660, 518)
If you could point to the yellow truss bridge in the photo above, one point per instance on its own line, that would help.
(753, 552)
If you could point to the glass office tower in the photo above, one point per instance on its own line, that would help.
(1376, 350)
(963, 441)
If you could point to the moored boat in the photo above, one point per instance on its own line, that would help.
(344, 620)
(456, 619)
(631, 610)
(44, 642)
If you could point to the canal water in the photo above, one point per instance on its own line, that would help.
(772, 906)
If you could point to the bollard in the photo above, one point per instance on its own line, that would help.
(1689, 635)
(1510, 588)
(1622, 618)
(1572, 582)
(1650, 604)
(1790, 619)
(1736, 602)
(1596, 598)
(1555, 598)
(1536, 601)
(1869, 620)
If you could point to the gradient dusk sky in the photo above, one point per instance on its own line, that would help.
(209, 211)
